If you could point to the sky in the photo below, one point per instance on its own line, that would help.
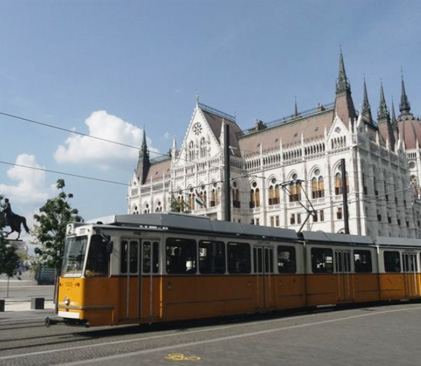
(113, 68)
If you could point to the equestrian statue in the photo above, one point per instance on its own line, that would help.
(8, 218)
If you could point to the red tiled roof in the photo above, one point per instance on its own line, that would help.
(215, 123)
(311, 128)
(158, 170)
(409, 130)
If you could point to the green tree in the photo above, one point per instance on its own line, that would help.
(50, 232)
(9, 259)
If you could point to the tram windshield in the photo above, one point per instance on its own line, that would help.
(97, 264)
(74, 256)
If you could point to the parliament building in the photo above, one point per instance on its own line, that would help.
(287, 173)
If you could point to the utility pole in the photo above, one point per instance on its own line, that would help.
(227, 171)
(345, 196)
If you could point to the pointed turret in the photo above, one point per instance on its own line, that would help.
(366, 109)
(143, 163)
(382, 113)
(344, 106)
(404, 105)
(296, 114)
(394, 122)
(384, 123)
(342, 84)
(174, 149)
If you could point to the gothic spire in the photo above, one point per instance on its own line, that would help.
(404, 105)
(366, 109)
(295, 108)
(143, 163)
(382, 113)
(383, 121)
(342, 84)
(344, 106)
(144, 148)
(394, 123)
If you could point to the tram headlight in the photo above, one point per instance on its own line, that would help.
(66, 301)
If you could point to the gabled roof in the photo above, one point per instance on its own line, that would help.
(158, 169)
(215, 118)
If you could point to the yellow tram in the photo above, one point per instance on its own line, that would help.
(134, 269)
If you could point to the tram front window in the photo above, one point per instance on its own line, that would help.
(97, 264)
(74, 256)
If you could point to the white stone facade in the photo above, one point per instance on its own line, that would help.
(381, 201)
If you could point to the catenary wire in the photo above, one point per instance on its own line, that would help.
(63, 173)
(85, 135)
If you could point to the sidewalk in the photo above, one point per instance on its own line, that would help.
(19, 305)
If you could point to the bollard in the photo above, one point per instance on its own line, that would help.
(37, 303)
(1, 305)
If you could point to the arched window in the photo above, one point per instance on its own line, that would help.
(203, 148)
(158, 206)
(147, 209)
(317, 185)
(338, 183)
(314, 186)
(235, 196)
(180, 202)
(295, 190)
(254, 196)
(190, 202)
(191, 150)
(214, 195)
(274, 193)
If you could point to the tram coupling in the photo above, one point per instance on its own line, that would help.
(53, 321)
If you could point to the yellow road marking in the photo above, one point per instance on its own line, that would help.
(181, 357)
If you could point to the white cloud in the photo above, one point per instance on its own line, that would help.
(86, 150)
(31, 187)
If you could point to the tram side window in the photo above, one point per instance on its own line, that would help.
(181, 256)
(123, 256)
(239, 260)
(124, 252)
(286, 259)
(211, 256)
(362, 261)
(147, 257)
(133, 256)
(321, 260)
(392, 261)
(98, 258)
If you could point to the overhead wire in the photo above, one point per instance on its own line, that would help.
(262, 171)
(84, 134)
(63, 173)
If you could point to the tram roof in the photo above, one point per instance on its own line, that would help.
(390, 241)
(194, 224)
(336, 238)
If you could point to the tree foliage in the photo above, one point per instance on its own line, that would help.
(50, 231)
(9, 259)
(178, 205)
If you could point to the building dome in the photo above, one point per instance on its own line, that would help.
(410, 131)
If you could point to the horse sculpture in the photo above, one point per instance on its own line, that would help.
(15, 224)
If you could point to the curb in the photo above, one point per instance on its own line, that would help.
(19, 305)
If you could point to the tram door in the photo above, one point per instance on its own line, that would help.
(263, 269)
(139, 287)
(131, 284)
(343, 272)
(410, 269)
(150, 280)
